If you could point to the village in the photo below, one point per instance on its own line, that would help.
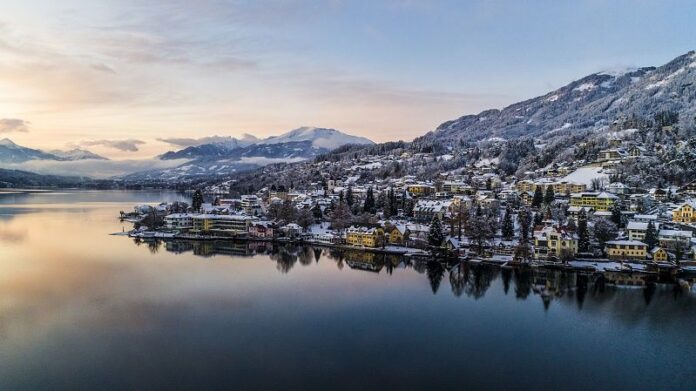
(571, 215)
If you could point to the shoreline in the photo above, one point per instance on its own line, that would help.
(600, 265)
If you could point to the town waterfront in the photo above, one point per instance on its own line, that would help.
(83, 309)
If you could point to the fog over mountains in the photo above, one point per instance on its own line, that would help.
(581, 108)
(11, 152)
(207, 156)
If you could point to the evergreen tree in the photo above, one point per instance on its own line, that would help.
(349, 196)
(525, 220)
(604, 231)
(549, 196)
(616, 214)
(435, 236)
(538, 197)
(369, 206)
(316, 211)
(508, 228)
(651, 236)
(538, 218)
(583, 233)
(197, 200)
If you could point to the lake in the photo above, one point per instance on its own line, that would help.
(83, 309)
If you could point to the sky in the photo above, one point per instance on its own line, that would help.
(119, 77)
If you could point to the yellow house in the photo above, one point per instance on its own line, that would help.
(364, 237)
(559, 188)
(598, 201)
(525, 185)
(526, 197)
(626, 249)
(554, 242)
(659, 254)
(420, 189)
(685, 213)
(398, 234)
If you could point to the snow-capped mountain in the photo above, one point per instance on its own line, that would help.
(10, 152)
(305, 142)
(14, 153)
(229, 156)
(77, 154)
(585, 104)
(321, 138)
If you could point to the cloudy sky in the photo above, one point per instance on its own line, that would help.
(118, 77)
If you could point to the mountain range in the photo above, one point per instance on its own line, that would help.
(590, 103)
(236, 155)
(14, 153)
(556, 122)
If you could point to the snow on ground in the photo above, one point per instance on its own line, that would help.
(585, 175)
(487, 162)
(585, 87)
(664, 81)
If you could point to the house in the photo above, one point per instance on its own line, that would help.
(552, 242)
(637, 230)
(670, 238)
(636, 151)
(626, 249)
(689, 188)
(574, 211)
(600, 201)
(618, 188)
(364, 237)
(453, 187)
(426, 210)
(527, 197)
(685, 213)
(419, 190)
(262, 229)
(611, 154)
(659, 254)
(251, 205)
(397, 234)
(645, 218)
(178, 221)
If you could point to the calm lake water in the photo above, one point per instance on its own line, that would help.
(82, 309)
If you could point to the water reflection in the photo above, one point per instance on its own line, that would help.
(82, 309)
(471, 280)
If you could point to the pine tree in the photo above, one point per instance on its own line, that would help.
(538, 218)
(549, 196)
(538, 197)
(349, 196)
(604, 231)
(616, 214)
(524, 219)
(369, 206)
(583, 233)
(435, 236)
(197, 200)
(508, 228)
(651, 236)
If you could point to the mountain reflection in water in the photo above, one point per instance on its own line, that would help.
(464, 278)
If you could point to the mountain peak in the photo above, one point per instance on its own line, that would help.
(6, 142)
(77, 154)
(588, 103)
(325, 138)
